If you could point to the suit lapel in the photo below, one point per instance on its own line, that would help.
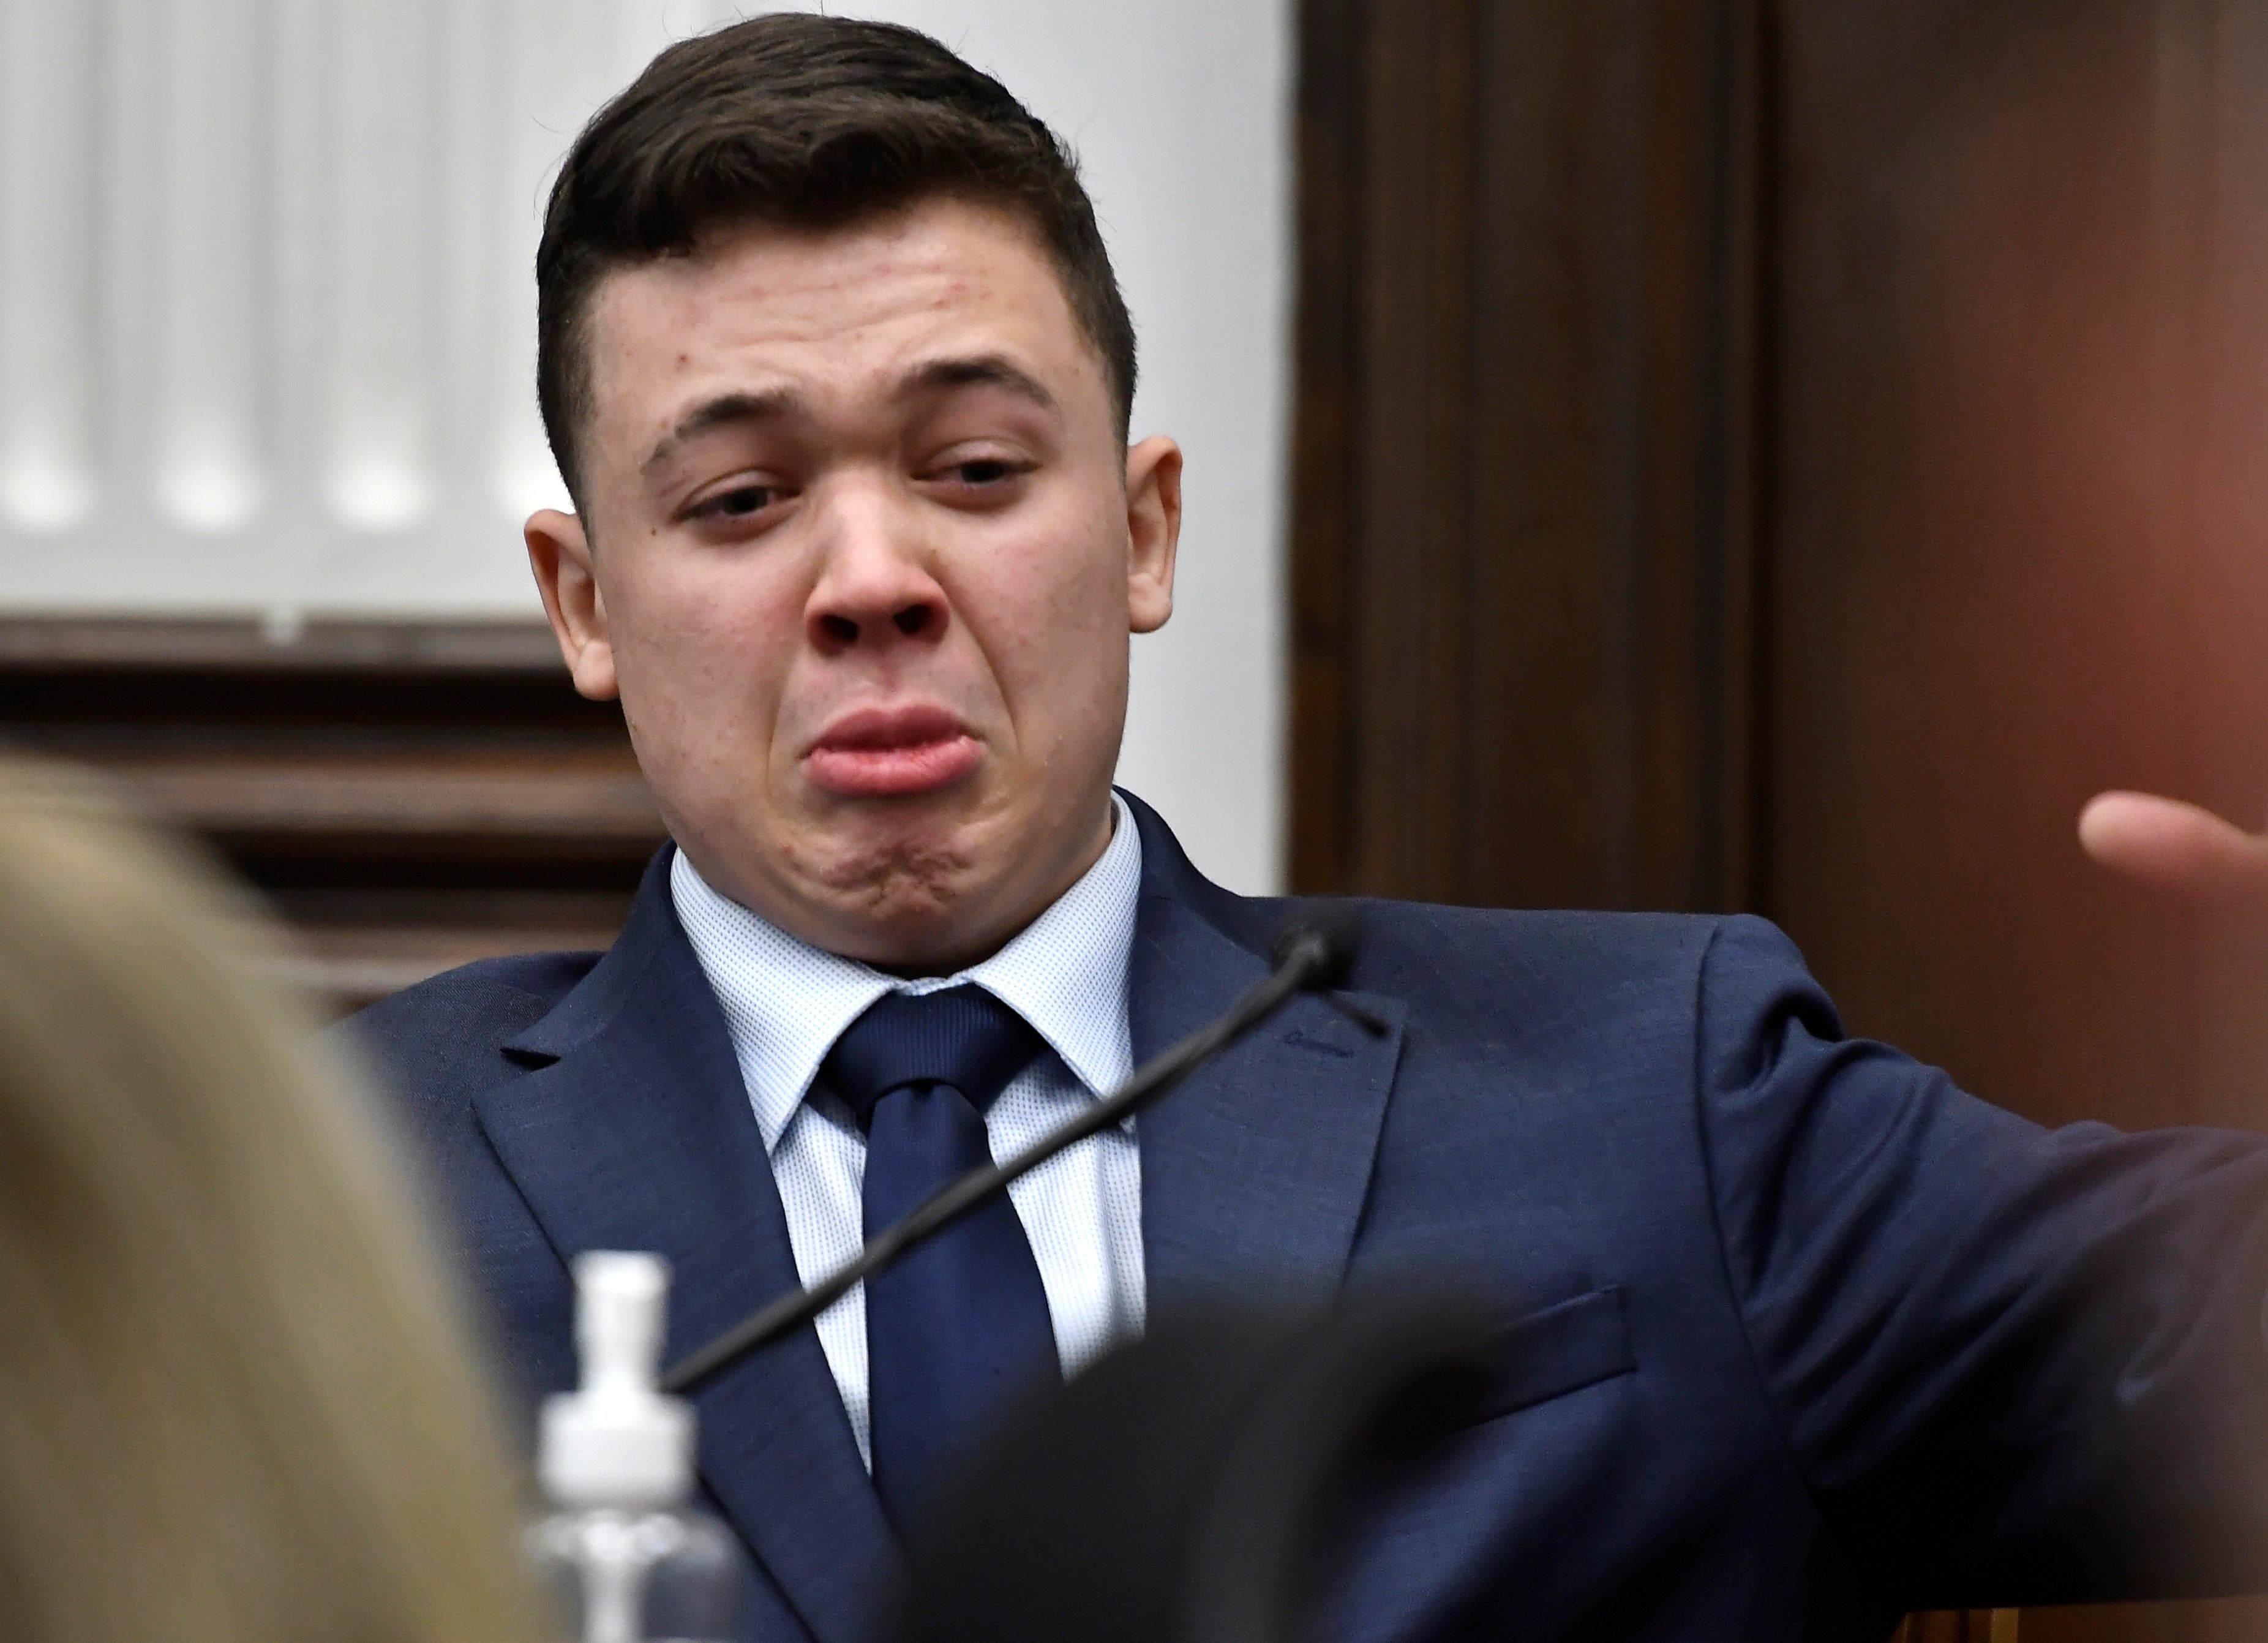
(639, 1136)
(1255, 1169)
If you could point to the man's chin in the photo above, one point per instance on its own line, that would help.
(900, 905)
(921, 886)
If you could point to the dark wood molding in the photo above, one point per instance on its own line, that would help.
(1327, 149)
(407, 796)
(186, 644)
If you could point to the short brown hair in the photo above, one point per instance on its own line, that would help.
(815, 122)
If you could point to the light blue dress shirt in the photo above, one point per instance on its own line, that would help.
(786, 1002)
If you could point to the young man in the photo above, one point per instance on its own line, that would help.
(837, 370)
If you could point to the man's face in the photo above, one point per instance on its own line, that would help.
(860, 554)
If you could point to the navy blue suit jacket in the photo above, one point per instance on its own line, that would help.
(1813, 1337)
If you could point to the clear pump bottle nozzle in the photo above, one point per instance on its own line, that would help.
(616, 1440)
(624, 1558)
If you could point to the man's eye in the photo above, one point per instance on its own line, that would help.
(739, 504)
(985, 470)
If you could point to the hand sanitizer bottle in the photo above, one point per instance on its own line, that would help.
(623, 1556)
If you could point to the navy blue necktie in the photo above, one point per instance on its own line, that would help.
(961, 1324)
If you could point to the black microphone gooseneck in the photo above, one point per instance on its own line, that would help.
(1313, 954)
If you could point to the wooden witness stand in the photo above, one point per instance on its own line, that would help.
(1978, 1626)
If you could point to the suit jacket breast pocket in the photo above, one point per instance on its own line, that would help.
(1542, 1355)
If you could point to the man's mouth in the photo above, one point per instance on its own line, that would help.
(890, 753)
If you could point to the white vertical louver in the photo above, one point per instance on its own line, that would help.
(50, 140)
(381, 361)
(211, 196)
(267, 308)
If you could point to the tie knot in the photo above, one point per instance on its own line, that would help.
(961, 1035)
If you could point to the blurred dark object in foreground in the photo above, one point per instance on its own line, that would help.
(407, 796)
(1185, 1489)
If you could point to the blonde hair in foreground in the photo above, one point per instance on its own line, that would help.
(237, 1403)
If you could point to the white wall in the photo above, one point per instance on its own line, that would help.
(266, 318)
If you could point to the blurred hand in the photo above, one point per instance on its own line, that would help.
(2176, 847)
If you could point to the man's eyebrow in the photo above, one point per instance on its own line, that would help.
(981, 371)
(724, 410)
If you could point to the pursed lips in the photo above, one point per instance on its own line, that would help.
(887, 753)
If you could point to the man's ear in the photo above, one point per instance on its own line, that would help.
(1153, 528)
(559, 554)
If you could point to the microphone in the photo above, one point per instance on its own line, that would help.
(1322, 942)
(1313, 952)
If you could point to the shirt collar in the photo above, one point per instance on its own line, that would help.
(786, 1002)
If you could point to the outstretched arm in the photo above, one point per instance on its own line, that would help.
(2015, 1366)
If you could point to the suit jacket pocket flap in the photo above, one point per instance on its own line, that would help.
(1561, 1349)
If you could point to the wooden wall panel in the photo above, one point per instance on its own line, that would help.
(1520, 567)
(2024, 383)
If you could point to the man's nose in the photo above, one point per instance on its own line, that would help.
(874, 587)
